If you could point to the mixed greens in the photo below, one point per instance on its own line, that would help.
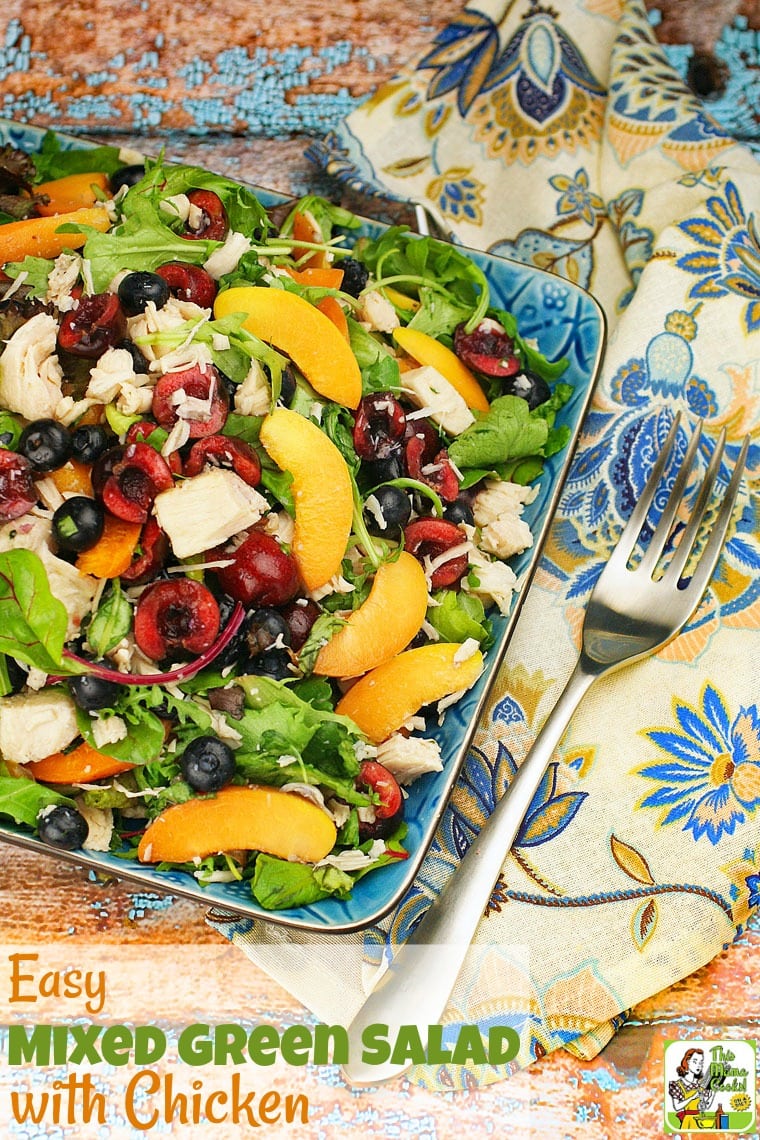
(219, 522)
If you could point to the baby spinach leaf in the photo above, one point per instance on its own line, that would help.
(32, 621)
(278, 884)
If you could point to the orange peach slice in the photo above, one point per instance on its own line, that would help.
(72, 192)
(428, 351)
(239, 818)
(39, 237)
(298, 328)
(82, 765)
(384, 699)
(321, 488)
(383, 625)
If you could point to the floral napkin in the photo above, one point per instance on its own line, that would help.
(562, 137)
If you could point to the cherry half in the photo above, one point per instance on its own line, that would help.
(488, 348)
(97, 324)
(199, 384)
(189, 282)
(178, 614)
(379, 426)
(137, 477)
(154, 550)
(225, 451)
(213, 223)
(428, 539)
(18, 493)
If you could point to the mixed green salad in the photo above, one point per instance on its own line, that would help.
(261, 477)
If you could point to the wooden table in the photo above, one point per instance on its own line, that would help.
(62, 66)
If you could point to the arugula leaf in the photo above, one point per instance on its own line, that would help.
(32, 621)
(111, 623)
(439, 315)
(23, 799)
(399, 257)
(37, 270)
(507, 431)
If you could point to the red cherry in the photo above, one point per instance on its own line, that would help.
(154, 550)
(98, 323)
(300, 615)
(261, 573)
(180, 614)
(213, 225)
(384, 784)
(390, 810)
(200, 384)
(379, 426)
(427, 539)
(487, 349)
(18, 493)
(141, 432)
(438, 473)
(225, 451)
(136, 479)
(189, 282)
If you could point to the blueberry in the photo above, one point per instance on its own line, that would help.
(136, 290)
(287, 386)
(529, 386)
(207, 764)
(78, 524)
(17, 675)
(127, 176)
(383, 470)
(355, 276)
(266, 628)
(63, 827)
(387, 511)
(92, 693)
(140, 365)
(89, 441)
(459, 512)
(46, 444)
(273, 663)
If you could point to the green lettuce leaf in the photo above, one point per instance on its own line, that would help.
(507, 431)
(23, 799)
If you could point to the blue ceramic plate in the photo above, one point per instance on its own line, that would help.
(566, 321)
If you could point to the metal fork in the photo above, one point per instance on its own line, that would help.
(630, 614)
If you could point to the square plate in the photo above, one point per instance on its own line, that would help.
(566, 321)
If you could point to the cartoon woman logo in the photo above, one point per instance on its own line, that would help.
(691, 1093)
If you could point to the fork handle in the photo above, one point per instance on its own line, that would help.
(416, 987)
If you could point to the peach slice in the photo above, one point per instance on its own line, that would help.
(384, 699)
(82, 765)
(383, 625)
(428, 351)
(72, 192)
(39, 237)
(322, 492)
(254, 818)
(298, 328)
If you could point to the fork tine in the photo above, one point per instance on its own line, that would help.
(630, 533)
(658, 540)
(709, 558)
(683, 550)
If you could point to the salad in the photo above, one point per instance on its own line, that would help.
(260, 482)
